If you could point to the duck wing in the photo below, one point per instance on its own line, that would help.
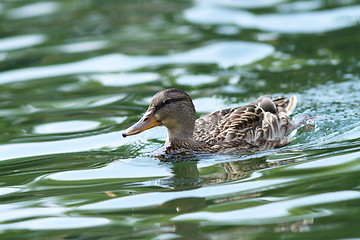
(260, 125)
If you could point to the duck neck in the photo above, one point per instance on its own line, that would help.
(180, 132)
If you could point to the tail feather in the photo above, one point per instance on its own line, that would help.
(287, 105)
(291, 105)
(276, 124)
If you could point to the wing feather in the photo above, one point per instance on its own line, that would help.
(261, 124)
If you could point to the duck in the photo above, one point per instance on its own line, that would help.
(260, 125)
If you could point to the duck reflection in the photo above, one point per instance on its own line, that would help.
(187, 176)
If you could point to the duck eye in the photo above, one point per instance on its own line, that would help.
(167, 101)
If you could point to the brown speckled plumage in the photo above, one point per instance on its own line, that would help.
(260, 125)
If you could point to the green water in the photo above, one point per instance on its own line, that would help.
(75, 74)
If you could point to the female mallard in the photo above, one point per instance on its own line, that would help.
(258, 126)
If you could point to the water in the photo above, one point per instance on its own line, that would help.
(74, 74)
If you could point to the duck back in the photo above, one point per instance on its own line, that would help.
(260, 125)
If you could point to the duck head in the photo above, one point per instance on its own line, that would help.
(172, 108)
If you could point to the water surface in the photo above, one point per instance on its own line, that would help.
(75, 74)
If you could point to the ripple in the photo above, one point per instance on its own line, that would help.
(275, 210)
(329, 161)
(291, 23)
(32, 10)
(21, 213)
(299, 6)
(118, 169)
(224, 54)
(85, 102)
(76, 103)
(240, 3)
(57, 223)
(195, 80)
(81, 47)
(8, 190)
(19, 150)
(158, 198)
(126, 79)
(17, 42)
(65, 127)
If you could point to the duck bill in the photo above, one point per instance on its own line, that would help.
(146, 122)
